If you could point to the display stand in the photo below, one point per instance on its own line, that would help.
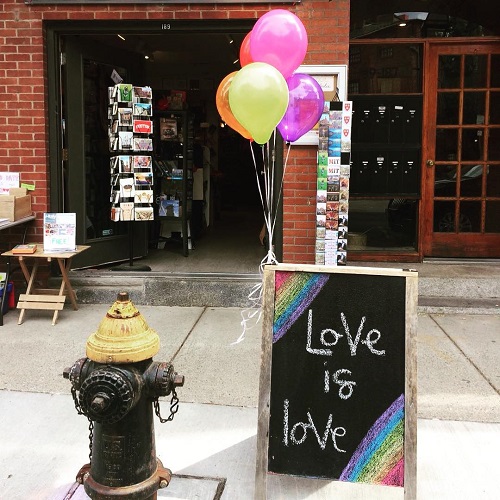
(332, 202)
(131, 164)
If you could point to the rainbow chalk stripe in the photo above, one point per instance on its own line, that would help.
(294, 293)
(379, 458)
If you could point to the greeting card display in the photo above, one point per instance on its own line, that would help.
(332, 202)
(130, 129)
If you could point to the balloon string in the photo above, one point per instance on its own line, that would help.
(250, 316)
(281, 183)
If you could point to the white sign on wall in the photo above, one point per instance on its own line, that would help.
(333, 81)
(8, 180)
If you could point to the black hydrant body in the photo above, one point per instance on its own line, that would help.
(117, 387)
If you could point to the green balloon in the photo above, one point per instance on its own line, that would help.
(258, 98)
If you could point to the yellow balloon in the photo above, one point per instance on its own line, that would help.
(258, 98)
(222, 103)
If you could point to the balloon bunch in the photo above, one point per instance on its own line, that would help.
(266, 93)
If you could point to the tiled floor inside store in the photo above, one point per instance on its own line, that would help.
(230, 245)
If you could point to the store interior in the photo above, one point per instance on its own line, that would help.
(226, 220)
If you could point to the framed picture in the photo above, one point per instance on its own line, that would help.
(333, 81)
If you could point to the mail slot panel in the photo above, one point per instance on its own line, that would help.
(405, 122)
(403, 175)
(387, 120)
(378, 171)
(362, 118)
(395, 172)
(368, 173)
(359, 182)
(370, 122)
(410, 182)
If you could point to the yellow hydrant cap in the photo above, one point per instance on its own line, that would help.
(123, 336)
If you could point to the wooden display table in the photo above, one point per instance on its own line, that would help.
(46, 298)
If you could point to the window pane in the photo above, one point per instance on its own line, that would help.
(475, 71)
(445, 180)
(495, 70)
(493, 182)
(382, 224)
(472, 144)
(495, 108)
(494, 144)
(492, 223)
(471, 180)
(474, 105)
(444, 216)
(449, 72)
(470, 217)
(447, 113)
(446, 144)
(382, 68)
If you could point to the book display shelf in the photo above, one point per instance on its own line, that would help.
(174, 143)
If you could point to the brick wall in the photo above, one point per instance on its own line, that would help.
(23, 111)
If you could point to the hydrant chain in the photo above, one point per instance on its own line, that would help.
(174, 407)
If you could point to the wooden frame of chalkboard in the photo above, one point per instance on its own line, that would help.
(337, 396)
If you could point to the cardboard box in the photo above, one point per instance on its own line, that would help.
(15, 207)
(18, 191)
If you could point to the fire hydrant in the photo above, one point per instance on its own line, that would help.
(116, 387)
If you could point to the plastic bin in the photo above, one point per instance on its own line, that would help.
(7, 298)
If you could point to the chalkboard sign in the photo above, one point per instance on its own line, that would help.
(338, 377)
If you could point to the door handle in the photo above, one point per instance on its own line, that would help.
(430, 163)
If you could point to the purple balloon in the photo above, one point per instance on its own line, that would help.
(305, 106)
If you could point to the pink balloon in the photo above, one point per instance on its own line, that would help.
(305, 106)
(279, 39)
(245, 56)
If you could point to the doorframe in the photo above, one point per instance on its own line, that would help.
(54, 30)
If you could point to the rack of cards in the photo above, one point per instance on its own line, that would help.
(332, 203)
(131, 145)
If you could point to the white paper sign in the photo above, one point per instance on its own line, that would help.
(8, 180)
(59, 232)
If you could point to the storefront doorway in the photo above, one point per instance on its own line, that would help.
(461, 178)
(189, 56)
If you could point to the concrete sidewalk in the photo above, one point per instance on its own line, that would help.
(211, 444)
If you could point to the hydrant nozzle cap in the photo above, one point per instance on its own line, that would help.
(122, 297)
(123, 336)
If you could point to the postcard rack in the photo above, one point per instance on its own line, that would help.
(131, 146)
(130, 133)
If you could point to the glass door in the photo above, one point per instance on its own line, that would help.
(86, 76)
(461, 190)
